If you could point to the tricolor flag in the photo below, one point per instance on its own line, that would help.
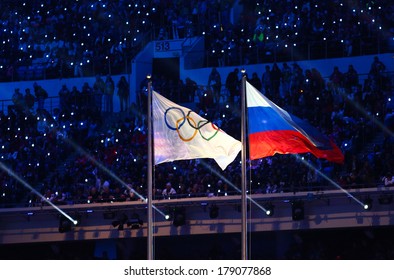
(180, 134)
(272, 130)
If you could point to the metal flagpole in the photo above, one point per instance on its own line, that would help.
(243, 160)
(150, 248)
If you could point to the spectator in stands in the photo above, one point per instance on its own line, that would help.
(59, 198)
(190, 89)
(98, 92)
(318, 84)
(207, 100)
(64, 95)
(75, 98)
(118, 194)
(388, 180)
(200, 96)
(29, 100)
(215, 82)
(285, 81)
(123, 93)
(377, 74)
(219, 188)
(351, 79)
(18, 100)
(255, 81)
(266, 81)
(106, 194)
(178, 92)
(162, 34)
(168, 191)
(258, 36)
(87, 98)
(297, 82)
(276, 76)
(78, 71)
(47, 196)
(233, 86)
(336, 80)
(93, 195)
(41, 95)
(129, 192)
(109, 94)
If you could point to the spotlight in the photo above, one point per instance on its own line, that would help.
(269, 209)
(213, 212)
(297, 210)
(77, 219)
(66, 224)
(367, 204)
(169, 213)
(135, 222)
(179, 217)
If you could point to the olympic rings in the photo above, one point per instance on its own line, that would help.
(213, 126)
(165, 118)
(179, 134)
(192, 123)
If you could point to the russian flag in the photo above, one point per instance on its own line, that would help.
(272, 130)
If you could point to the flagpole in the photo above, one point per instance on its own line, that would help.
(150, 253)
(243, 160)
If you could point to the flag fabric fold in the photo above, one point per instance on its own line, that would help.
(272, 130)
(181, 134)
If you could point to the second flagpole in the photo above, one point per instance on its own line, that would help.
(150, 248)
(243, 160)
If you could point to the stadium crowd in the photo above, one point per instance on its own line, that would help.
(48, 39)
(68, 156)
(57, 152)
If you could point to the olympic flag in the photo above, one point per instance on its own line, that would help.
(273, 130)
(180, 134)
